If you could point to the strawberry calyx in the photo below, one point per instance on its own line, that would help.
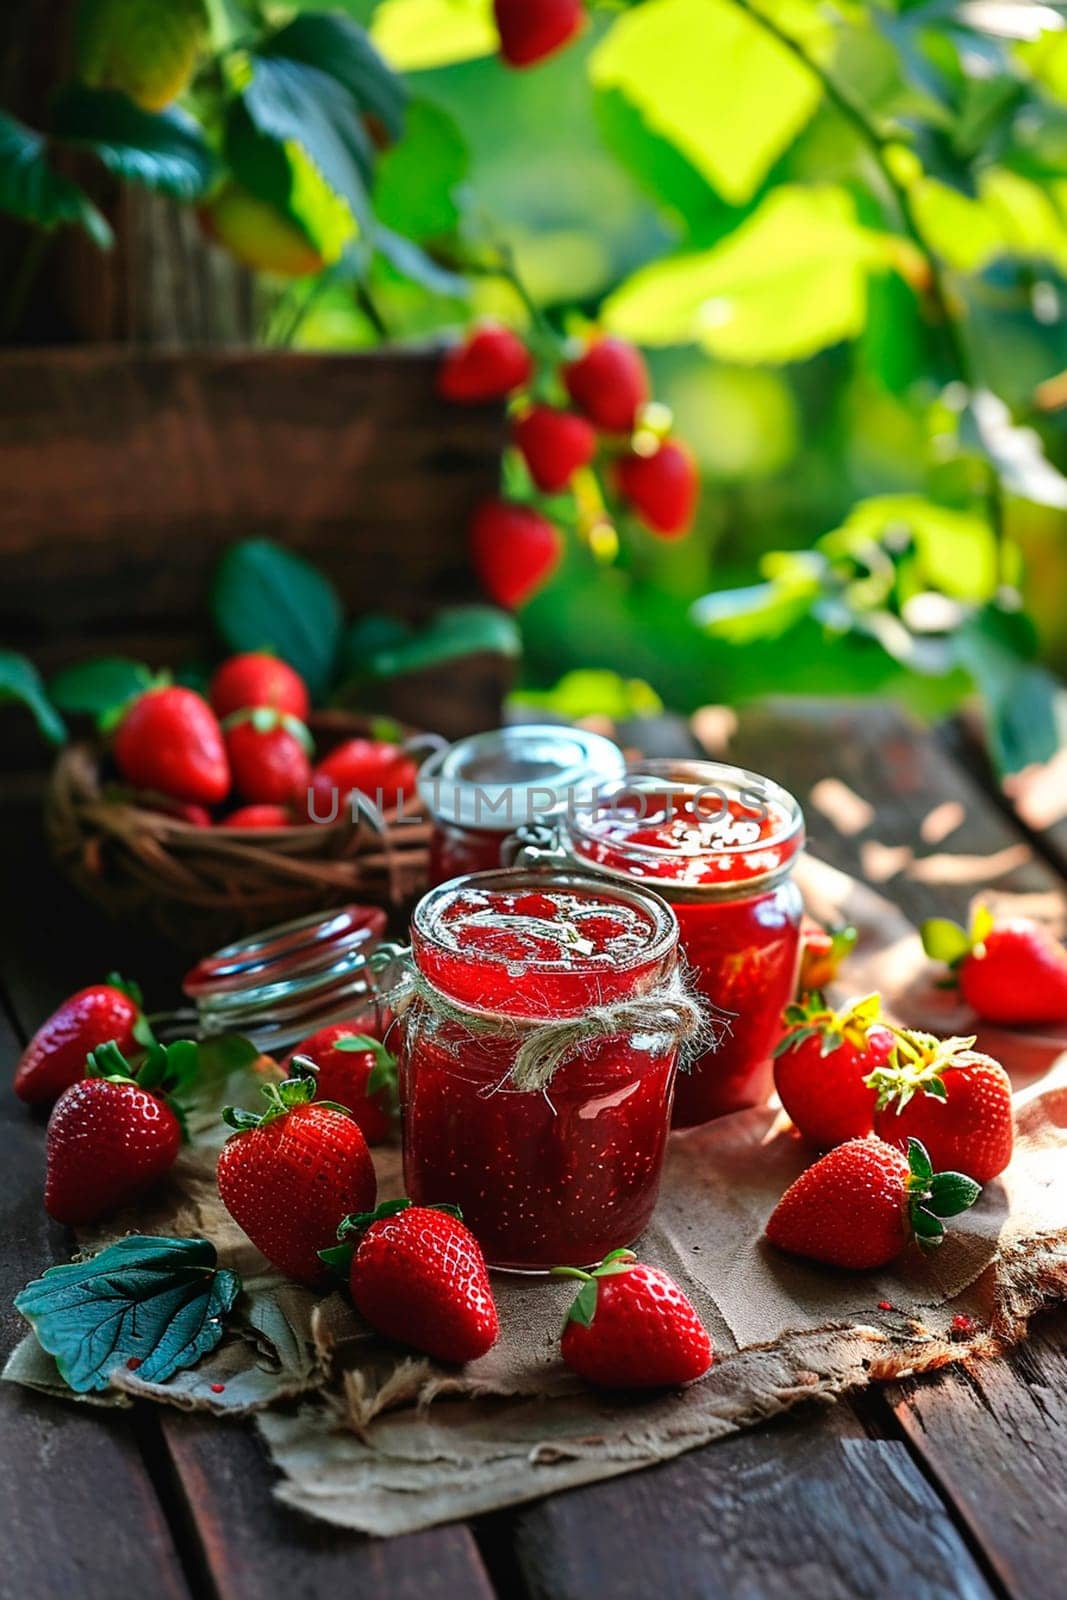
(383, 1075)
(933, 1195)
(812, 1018)
(917, 1065)
(352, 1228)
(946, 941)
(165, 1070)
(583, 1308)
(298, 1089)
(266, 719)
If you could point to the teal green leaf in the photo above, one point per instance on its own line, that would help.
(956, 550)
(32, 189)
(20, 681)
(415, 190)
(340, 48)
(715, 82)
(283, 176)
(453, 633)
(415, 34)
(1024, 707)
(294, 103)
(97, 687)
(161, 150)
(411, 261)
(266, 597)
(159, 1303)
(789, 281)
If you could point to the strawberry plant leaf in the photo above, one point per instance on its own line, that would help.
(161, 150)
(584, 1308)
(339, 47)
(951, 1193)
(20, 680)
(944, 940)
(264, 596)
(31, 188)
(99, 687)
(155, 1302)
(920, 1165)
(291, 102)
(928, 1229)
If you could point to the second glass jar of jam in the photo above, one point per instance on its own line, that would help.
(482, 789)
(551, 1176)
(720, 844)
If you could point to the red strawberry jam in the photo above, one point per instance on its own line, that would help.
(542, 1177)
(720, 844)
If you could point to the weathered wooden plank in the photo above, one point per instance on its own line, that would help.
(80, 1514)
(809, 1507)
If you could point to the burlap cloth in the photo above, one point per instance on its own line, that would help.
(386, 1442)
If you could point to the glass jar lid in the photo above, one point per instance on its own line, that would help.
(514, 776)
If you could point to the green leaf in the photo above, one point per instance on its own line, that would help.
(760, 611)
(919, 1163)
(264, 596)
(340, 48)
(956, 550)
(32, 189)
(412, 262)
(1022, 702)
(593, 692)
(715, 82)
(944, 940)
(283, 177)
(789, 281)
(417, 179)
(928, 1229)
(415, 34)
(452, 634)
(162, 150)
(294, 103)
(583, 1309)
(951, 1193)
(159, 1303)
(661, 168)
(20, 681)
(98, 687)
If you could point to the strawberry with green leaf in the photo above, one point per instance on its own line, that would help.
(951, 1097)
(1011, 972)
(822, 1064)
(860, 1205)
(117, 1131)
(631, 1327)
(290, 1174)
(269, 752)
(56, 1055)
(355, 1068)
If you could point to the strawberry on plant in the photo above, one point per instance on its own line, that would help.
(382, 771)
(861, 1204)
(952, 1098)
(257, 678)
(514, 551)
(269, 754)
(822, 951)
(418, 1275)
(258, 816)
(56, 1055)
(554, 445)
(631, 1327)
(146, 48)
(532, 30)
(355, 1068)
(661, 485)
(169, 740)
(609, 384)
(1012, 972)
(290, 1175)
(822, 1064)
(490, 363)
(116, 1132)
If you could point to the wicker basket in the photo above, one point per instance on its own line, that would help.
(201, 887)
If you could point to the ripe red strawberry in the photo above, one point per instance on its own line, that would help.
(418, 1275)
(859, 1205)
(514, 551)
(115, 1132)
(261, 816)
(257, 678)
(554, 445)
(1011, 972)
(179, 811)
(269, 756)
(631, 1327)
(355, 1069)
(532, 30)
(169, 740)
(661, 487)
(384, 772)
(290, 1176)
(609, 384)
(822, 951)
(953, 1099)
(822, 1064)
(489, 364)
(56, 1055)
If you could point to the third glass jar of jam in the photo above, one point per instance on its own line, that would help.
(482, 789)
(557, 1172)
(719, 844)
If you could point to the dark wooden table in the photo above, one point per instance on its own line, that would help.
(953, 1485)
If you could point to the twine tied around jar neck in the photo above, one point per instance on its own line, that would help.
(671, 1010)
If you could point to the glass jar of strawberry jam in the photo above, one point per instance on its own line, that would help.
(482, 789)
(719, 844)
(562, 1164)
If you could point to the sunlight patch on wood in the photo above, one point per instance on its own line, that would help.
(1040, 793)
(941, 821)
(714, 727)
(847, 810)
(880, 862)
(945, 868)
